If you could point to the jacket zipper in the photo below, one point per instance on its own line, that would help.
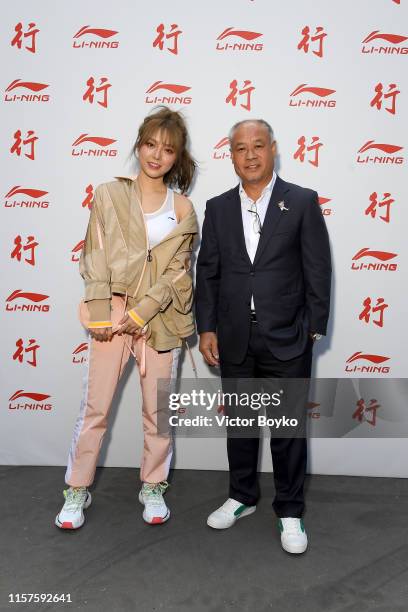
(149, 257)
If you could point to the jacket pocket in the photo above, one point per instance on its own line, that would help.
(177, 323)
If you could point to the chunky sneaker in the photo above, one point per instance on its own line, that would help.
(151, 496)
(228, 514)
(293, 535)
(71, 515)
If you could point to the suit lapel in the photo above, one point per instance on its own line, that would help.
(236, 225)
(272, 217)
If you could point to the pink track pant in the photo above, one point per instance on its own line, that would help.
(106, 363)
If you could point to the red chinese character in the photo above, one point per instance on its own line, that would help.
(362, 410)
(87, 202)
(29, 246)
(103, 87)
(314, 146)
(174, 33)
(379, 95)
(18, 38)
(31, 348)
(372, 208)
(232, 96)
(30, 140)
(367, 310)
(319, 35)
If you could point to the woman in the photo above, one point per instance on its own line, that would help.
(138, 298)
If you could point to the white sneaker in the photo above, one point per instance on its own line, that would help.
(71, 515)
(293, 535)
(151, 496)
(228, 514)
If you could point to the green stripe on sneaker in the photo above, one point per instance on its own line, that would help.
(280, 526)
(302, 525)
(239, 510)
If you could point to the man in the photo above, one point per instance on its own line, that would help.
(262, 299)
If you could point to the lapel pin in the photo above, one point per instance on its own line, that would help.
(282, 206)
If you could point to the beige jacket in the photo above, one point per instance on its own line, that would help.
(116, 258)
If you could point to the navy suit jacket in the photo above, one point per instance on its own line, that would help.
(289, 277)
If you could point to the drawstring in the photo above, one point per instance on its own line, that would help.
(193, 365)
(143, 359)
(130, 347)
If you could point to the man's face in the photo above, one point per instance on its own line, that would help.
(253, 153)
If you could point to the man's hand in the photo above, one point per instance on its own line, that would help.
(128, 326)
(102, 334)
(209, 348)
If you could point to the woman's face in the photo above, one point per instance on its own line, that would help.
(156, 155)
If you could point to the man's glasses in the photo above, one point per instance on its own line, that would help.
(257, 225)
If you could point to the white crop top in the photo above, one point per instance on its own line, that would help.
(162, 221)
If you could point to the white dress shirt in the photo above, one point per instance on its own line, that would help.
(248, 218)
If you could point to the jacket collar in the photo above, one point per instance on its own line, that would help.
(188, 225)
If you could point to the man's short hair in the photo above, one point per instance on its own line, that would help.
(239, 123)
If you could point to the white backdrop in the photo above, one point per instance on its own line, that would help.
(323, 87)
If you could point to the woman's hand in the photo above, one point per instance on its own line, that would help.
(102, 334)
(128, 326)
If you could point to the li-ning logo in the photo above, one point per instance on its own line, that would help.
(26, 97)
(380, 256)
(104, 149)
(369, 157)
(224, 44)
(37, 401)
(376, 362)
(76, 251)
(376, 42)
(99, 38)
(79, 355)
(36, 300)
(168, 99)
(326, 210)
(312, 97)
(34, 198)
(222, 150)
